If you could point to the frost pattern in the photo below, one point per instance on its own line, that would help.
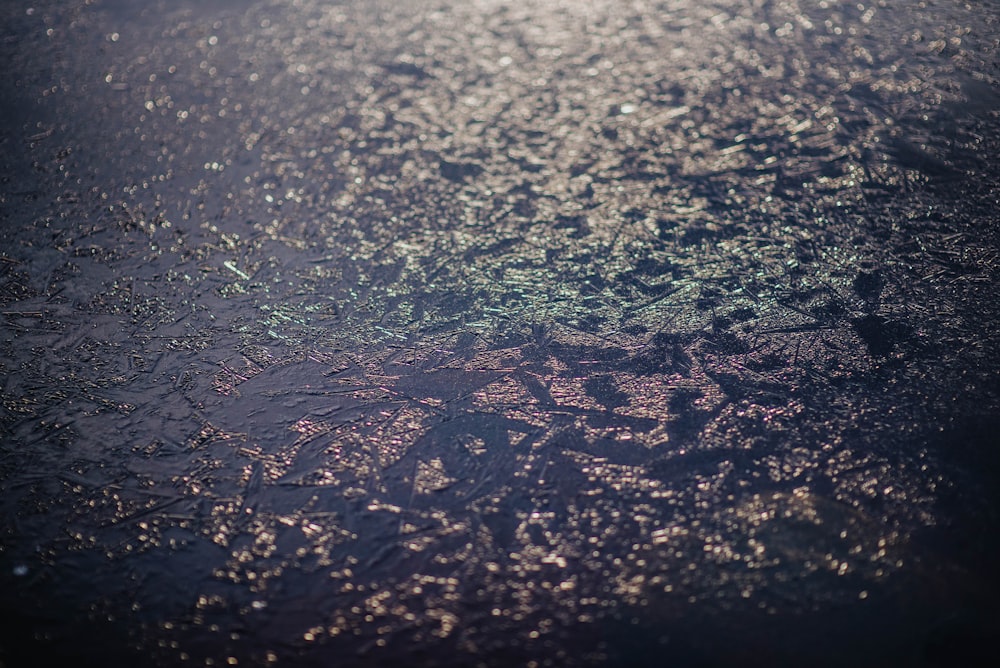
(487, 332)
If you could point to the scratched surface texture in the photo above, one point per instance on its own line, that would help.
(499, 333)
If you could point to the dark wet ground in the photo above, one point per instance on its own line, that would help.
(452, 334)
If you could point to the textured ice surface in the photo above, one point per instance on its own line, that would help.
(437, 333)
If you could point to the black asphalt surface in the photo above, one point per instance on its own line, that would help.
(652, 333)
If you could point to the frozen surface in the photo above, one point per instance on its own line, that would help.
(445, 334)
